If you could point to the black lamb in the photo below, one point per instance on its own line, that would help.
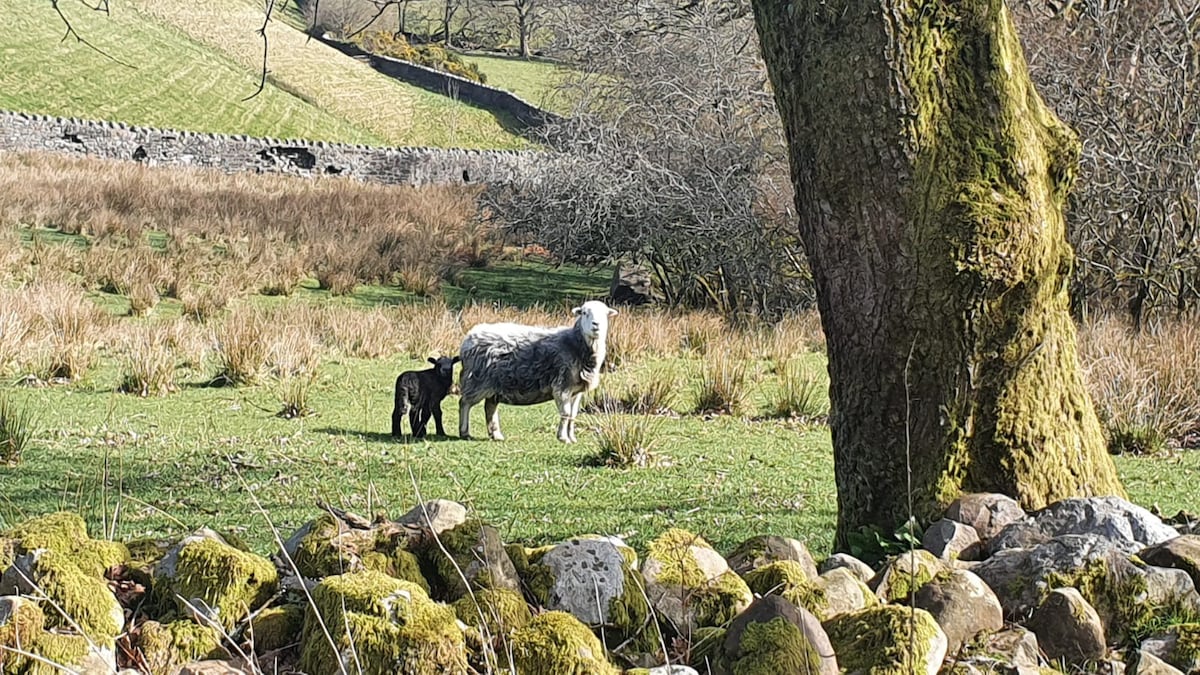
(419, 394)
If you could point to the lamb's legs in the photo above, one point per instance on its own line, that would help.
(565, 402)
(398, 413)
(491, 410)
(437, 418)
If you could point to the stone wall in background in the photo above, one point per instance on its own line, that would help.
(234, 153)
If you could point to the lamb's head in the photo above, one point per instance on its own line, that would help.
(593, 320)
(443, 366)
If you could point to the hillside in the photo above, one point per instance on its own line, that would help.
(189, 67)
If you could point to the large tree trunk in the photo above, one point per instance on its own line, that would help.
(930, 183)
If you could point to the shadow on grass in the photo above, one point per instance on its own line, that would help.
(383, 436)
(525, 284)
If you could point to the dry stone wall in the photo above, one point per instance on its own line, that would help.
(235, 153)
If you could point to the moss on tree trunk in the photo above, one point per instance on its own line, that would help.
(930, 183)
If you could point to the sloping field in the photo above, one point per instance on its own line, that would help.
(533, 81)
(399, 113)
(173, 82)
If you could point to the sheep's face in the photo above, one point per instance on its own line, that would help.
(444, 366)
(593, 320)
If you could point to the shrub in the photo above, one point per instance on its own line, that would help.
(429, 55)
(722, 385)
(149, 364)
(801, 393)
(16, 430)
(625, 441)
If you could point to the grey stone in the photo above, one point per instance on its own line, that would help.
(212, 667)
(963, 606)
(1171, 587)
(904, 574)
(1068, 627)
(859, 568)
(1163, 647)
(587, 575)
(1018, 576)
(1145, 663)
(631, 285)
(678, 603)
(758, 551)
(672, 670)
(1017, 647)
(489, 558)
(1128, 526)
(437, 516)
(986, 512)
(951, 540)
(772, 607)
(1181, 552)
(844, 593)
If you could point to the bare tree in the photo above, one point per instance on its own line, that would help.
(524, 10)
(1126, 74)
(930, 183)
(671, 156)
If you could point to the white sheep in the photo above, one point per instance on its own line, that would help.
(523, 365)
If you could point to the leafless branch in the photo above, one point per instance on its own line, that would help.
(262, 31)
(102, 6)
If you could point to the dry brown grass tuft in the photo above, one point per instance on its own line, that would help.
(1143, 385)
(148, 367)
(72, 327)
(723, 388)
(294, 360)
(242, 347)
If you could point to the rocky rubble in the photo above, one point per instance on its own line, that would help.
(1084, 585)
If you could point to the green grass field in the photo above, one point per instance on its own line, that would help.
(533, 81)
(189, 66)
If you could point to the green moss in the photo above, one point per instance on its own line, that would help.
(277, 627)
(629, 617)
(788, 579)
(446, 578)
(392, 625)
(316, 555)
(907, 573)
(406, 566)
(96, 556)
(145, 553)
(59, 531)
(86, 599)
(20, 628)
(1186, 652)
(167, 646)
(706, 647)
(776, 646)
(69, 650)
(717, 602)
(556, 643)
(232, 581)
(502, 610)
(8, 552)
(673, 549)
(877, 639)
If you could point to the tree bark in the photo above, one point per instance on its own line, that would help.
(930, 183)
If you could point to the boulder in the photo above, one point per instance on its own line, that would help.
(690, 585)
(594, 580)
(1013, 648)
(384, 624)
(1129, 527)
(211, 667)
(888, 638)
(843, 592)
(775, 636)
(1181, 553)
(963, 606)
(859, 568)
(1068, 628)
(904, 574)
(22, 626)
(168, 646)
(758, 551)
(951, 540)
(277, 627)
(555, 643)
(987, 513)
(496, 611)
(1145, 663)
(1021, 577)
(1180, 647)
(788, 578)
(210, 580)
(631, 285)
(1168, 587)
(86, 599)
(436, 516)
(469, 555)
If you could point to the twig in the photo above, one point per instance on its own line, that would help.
(262, 31)
(71, 32)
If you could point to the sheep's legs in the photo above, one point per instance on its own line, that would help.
(576, 404)
(464, 417)
(566, 405)
(491, 410)
(437, 419)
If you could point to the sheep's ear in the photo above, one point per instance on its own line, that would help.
(455, 360)
(612, 312)
(433, 360)
(577, 311)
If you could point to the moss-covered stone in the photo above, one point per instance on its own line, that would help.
(1185, 654)
(71, 651)
(407, 567)
(706, 647)
(231, 581)
(776, 646)
(906, 573)
(8, 552)
(673, 549)
(556, 643)
(630, 619)
(329, 548)
(21, 621)
(59, 531)
(790, 580)
(382, 624)
(277, 627)
(96, 556)
(887, 640)
(85, 599)
(499, 611)
(167, 646)
(690, 583)
(1119, 597)
(470, 554)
